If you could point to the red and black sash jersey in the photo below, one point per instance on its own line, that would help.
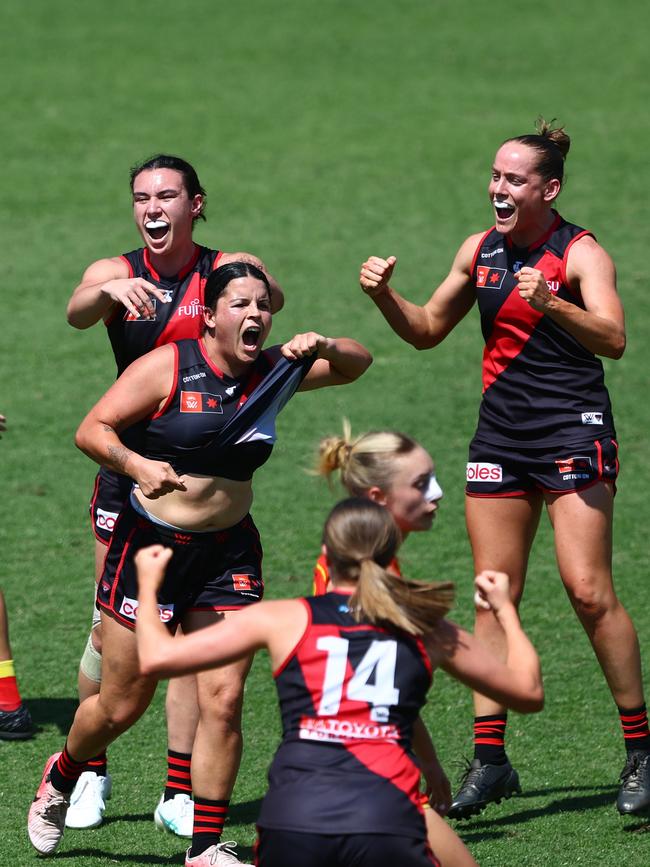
(215, 425)
(177, 319)
(540, 385)
(322, 574)
(349, 695)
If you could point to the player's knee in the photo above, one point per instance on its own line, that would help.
(222, 704)
(590, 602)
(121, 715)
(96, 636)
(90, 664)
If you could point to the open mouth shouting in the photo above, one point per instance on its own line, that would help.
(503, 210)
(157, 229)
(252, 337)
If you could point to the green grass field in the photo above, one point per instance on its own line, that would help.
(323, 132)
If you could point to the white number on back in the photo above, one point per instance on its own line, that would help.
(378, 664)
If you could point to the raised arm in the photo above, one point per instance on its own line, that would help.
(427, 325)
(276, 625)
(517, 683)
(104, 284)
(600, 326)
(340, 359)
(137, 394)
(277, 295)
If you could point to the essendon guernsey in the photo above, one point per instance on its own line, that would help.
(177, 319)
(540, 385)
(349, 694)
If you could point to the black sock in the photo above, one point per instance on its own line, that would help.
(634, 722)
(209, 818)
(489, 739)
(98, 765)
(179, 780)
(65, 772)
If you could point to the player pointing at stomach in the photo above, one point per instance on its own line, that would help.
(208, 408)
(546, 291)
(147, 298)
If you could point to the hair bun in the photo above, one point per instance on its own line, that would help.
(555, 134)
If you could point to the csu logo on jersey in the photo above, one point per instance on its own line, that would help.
(592, 418)
(492, 278)
(200, 401)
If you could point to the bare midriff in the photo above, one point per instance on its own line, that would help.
(208, 503)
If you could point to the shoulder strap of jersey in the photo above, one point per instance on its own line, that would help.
(478, 248)
(172, 390)
(294, 650)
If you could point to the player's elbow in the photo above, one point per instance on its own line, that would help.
(618, 345)
(277, 300)
(150, 665)
(364, 363)
(421, 343)
(532, 701)
(76, 317)
(82, 438)
(358, 365)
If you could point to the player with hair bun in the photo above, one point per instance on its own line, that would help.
(352, 669)
(546, 292)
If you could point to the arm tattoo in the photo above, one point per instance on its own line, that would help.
(119, 455)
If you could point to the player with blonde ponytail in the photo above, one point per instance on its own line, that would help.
(343, 786)
(395, 471)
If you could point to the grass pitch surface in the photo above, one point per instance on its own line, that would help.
(323, 132)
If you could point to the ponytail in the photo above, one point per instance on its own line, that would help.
(361, 539)
(364, 462)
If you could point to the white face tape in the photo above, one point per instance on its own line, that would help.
(433, 491)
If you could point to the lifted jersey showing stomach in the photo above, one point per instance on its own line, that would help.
(215, 425)
(349, 694)
(540, 385)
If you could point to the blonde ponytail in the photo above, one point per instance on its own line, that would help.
(364, 462)
(361, 539)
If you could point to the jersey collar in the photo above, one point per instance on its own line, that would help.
(185, 270)
(541, 240)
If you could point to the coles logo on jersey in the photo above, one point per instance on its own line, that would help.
(490, 277)
(241, 582)
(576, 467)
(592, 418)
(129, 608)
(200, 401)
(106, 520)
(484, 472)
